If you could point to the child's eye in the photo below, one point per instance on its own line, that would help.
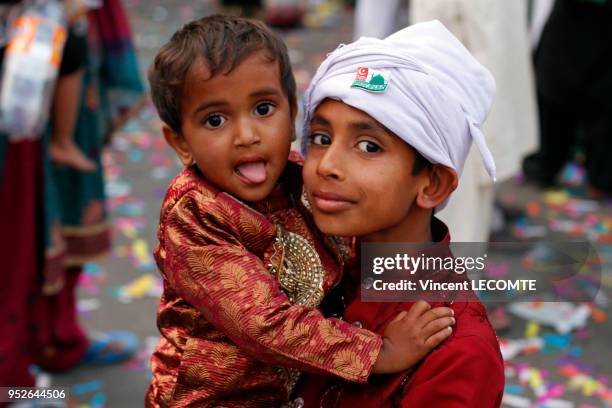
(320, 139)
(214, 121)
(368, 147)
(265, 109)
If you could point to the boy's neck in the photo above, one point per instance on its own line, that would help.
(415, 227)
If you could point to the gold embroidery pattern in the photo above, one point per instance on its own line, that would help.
(298, 268)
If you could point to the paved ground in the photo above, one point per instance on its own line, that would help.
(121, 292)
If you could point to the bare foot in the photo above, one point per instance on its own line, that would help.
(68, 154)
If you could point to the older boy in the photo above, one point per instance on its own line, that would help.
(390, 123)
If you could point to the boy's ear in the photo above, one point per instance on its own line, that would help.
(180, 146)
(442, 182)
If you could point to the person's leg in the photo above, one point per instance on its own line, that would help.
(19, 215)
(598, 149)
(557, 139)
(65, 343)
(66, 104)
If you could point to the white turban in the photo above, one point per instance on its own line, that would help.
(421, 83)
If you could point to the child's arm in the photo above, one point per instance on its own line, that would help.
(207, 266)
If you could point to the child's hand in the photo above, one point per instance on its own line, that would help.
(411, 335)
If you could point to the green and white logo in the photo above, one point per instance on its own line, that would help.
(370, 80)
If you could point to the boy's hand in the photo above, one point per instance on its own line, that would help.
(411, 335)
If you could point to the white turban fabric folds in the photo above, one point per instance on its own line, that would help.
(437, 94)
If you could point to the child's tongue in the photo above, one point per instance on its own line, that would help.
(255, 172)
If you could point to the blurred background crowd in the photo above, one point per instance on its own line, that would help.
(83, 170)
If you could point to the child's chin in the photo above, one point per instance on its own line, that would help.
(254, 194)
(328, 227)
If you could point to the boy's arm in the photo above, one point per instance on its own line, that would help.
(211, 270)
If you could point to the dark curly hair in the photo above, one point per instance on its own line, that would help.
(221, 42)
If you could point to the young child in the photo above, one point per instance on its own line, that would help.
(390, 123)
(243, 268)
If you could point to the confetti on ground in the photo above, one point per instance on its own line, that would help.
(134, 208)
(556, 197)
(145, 285)
(142, 255)
(585, 383)
(512, 348)
(515, 401)
(86, 388)
(118, 189)
(43, 380)
(532, 329)
(523, 229)
(98, 400)
(92, 277)
(88, 305)
(563, 316)
(533, 209)
(130, 227)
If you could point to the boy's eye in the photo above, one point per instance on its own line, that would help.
(214, 121)
(264, 109)
(320, 139)
(368, 147)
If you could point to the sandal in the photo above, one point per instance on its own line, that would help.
(110, 348)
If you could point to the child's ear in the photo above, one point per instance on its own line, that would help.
(442, 182)
(180, 146)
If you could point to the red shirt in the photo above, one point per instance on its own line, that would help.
(466, 370)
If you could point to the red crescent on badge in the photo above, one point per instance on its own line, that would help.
(362, 74)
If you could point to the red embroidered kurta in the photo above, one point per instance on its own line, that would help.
(465, 371)
(226, 325)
